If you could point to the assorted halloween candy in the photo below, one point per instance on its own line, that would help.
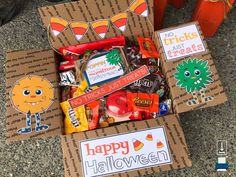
(87, 67)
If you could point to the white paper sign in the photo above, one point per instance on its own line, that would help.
(181, 42)
(100, 70)
(125, 152)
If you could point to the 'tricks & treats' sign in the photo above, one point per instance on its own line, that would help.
(181, 42)
(125, 152)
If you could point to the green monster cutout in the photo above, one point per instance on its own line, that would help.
(114, 58)
(194, 75)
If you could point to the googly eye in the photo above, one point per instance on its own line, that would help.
(187, 73)
(197, 72)
(26, 92)
(38, 92)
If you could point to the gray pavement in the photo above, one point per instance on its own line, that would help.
(202, 128)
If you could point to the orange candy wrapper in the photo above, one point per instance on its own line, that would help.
(147, 48)
(143, 102)
(92, 114)
(210, 14)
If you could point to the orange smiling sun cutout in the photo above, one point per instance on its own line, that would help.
(32, 95)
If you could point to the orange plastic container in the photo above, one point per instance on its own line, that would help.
(210, 15)
(159, 10)
(177, 3)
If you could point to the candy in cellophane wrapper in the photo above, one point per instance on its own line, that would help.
(117, 106)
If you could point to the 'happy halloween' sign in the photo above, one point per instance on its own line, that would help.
(125, 152)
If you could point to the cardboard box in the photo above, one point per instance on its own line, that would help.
(106, 157)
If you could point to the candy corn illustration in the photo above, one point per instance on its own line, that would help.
(159, 144)
(137, 144)
(149, 137)
(57, 25)
(79, 29)
(120, 21)
(139, 7)
(100, 27)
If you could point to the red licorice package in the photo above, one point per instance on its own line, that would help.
(143, 102)
(73, 52)
(147, 48)
(92, 114)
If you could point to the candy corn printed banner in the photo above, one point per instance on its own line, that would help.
(125, 152)
(139, 7)
(58, 25)
(120, 21)
(79, 29)
(101, 26)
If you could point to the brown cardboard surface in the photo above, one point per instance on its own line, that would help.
(35, 62)
(180, 96)
(84, 10)
(175, 136)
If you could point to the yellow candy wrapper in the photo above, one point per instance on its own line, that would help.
(75, 119)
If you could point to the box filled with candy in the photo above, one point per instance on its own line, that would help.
(111, 87)
(91, 66)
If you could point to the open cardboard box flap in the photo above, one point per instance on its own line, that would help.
(178, 147)
(179, 95)
(91, 10)
(29, 63)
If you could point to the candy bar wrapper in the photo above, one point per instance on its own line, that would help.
(75, 119)
(92, 114)
(177, 3)
(147, 48)
(210, 15)
(143, 102)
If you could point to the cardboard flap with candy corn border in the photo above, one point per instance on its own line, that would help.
(174, 133)
(130, 18)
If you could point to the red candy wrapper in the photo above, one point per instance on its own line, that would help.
(143, 102)
(73, 52)
(67, 65)
(147, 48)
(117, 103)
(92, 114)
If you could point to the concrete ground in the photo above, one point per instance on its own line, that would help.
(202, 128)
